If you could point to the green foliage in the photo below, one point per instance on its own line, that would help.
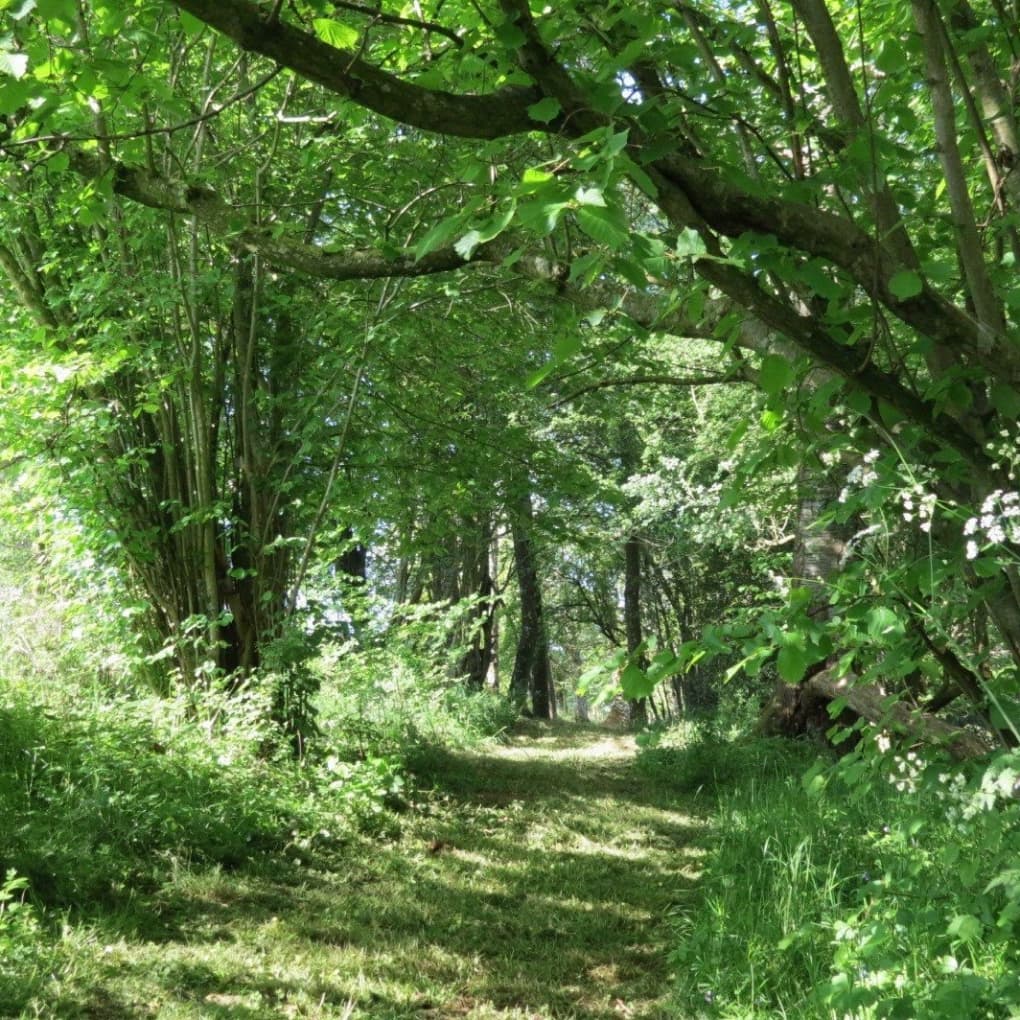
(292, 685)
(107, 798)
(880, 886)
(702, 754)
(26, 953)
(394, 699)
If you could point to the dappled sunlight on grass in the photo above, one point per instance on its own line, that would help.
(535, 881)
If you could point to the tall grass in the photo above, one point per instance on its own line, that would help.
(877, 886)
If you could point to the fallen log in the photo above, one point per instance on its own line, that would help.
(796, 709)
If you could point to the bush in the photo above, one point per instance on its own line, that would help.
(393, 699)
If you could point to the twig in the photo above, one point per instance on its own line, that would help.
(395, 19)
(649, 380)
(143, 132)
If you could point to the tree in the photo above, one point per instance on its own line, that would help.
(833, 193)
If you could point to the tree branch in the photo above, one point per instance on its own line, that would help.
(650, 380)
(345, 73)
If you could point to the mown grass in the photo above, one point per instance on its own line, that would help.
(535, 878)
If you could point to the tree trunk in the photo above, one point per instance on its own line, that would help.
(531, 676)
(632, 618)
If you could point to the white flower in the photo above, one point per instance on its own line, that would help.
(971, 526)
(972, 550)
(996, 534)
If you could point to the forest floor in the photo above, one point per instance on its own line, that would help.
(536, 878)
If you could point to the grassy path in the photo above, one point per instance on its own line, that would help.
(537, 883)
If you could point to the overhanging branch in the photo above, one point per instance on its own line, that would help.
(347, 74)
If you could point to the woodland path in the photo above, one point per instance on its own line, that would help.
(537, 880)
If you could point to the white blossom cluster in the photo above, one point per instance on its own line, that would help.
(861, 475)
(998, 522)
(918, 503)
(907, 774)
(1006, 451)
(999, 785)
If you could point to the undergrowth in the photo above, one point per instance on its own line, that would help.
(881, 885)
(108, 799)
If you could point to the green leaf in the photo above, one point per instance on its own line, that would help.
(438, 235)
(638, 176)
(566, 348)
(859, 401)
(510, 35)
(986, 566)
(635, 683)
(965, 927)
(816, 275)
(631, 271)
(190, 25)
(690, 244)
(906, 284)
(14, 94)
(736, 434)
(775, 374)
(883, 623)
(533, 178)
(603, 225)
(336, 33)
(497, 223)
(59, 10)
(665, 664)
(616, 143)
(1005, 399)
(466, 245)
(585, 268)
(891, 57)
(589, 196)
(792, 662)
(545, 110)
(540, 215)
